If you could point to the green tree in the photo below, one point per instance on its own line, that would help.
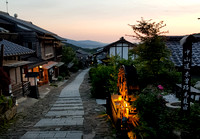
(68, 55)
(153, 56)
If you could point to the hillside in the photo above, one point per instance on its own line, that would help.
(74, 47)
(86, 43)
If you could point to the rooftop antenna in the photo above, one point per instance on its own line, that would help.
(7, 5)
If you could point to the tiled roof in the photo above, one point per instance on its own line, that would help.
(120, 41)
(28, 25)
(12, 49)
(177, 53)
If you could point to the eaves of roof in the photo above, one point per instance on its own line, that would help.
(14, 63)
(29, 25)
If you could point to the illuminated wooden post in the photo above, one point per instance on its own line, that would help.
(186, 42)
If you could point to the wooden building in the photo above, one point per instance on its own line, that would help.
(47, 45)
(15, 67)
(84, 58)
(120, 48)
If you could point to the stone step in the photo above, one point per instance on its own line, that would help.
(68, 101)
(69, 98)
(70, 94)
(53, 134)
(65, 113)
(67, 108)
(68, 105)
(68, 121)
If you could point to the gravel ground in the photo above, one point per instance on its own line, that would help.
(97, 123)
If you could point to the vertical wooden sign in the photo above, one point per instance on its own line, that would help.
(186, 42)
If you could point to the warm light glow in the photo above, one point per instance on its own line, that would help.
(122, 103)
(127, 112)
(40, 66)
(120, 98)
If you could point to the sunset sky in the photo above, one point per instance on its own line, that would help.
(105, 20)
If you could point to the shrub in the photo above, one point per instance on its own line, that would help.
(104, 81)
(6, 101)
(159, 122)
(60, 78)
(189, 124)
(155, 121)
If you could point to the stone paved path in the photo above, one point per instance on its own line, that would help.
(67, 111)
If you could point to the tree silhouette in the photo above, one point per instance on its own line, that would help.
(153, 57)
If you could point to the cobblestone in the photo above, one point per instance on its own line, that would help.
(68, 116)
(59, 114)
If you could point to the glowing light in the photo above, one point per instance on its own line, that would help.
(120, 98)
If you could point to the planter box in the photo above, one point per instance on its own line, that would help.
(8, 115)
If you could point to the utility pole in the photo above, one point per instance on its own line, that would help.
(7, 5)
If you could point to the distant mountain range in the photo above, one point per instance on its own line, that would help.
(86, 43)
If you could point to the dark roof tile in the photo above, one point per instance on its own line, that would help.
(12, 49)
(177, 53)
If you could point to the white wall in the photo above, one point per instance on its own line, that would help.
(125, 53)
(120, 51)
(112, 51)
